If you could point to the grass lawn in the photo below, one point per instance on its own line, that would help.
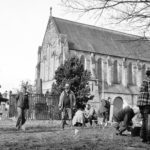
(47, 135)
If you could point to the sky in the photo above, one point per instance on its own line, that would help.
(22, 27)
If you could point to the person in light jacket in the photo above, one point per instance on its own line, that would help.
(90, 114)
(67, 103)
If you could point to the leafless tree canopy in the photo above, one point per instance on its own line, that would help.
(135, 12)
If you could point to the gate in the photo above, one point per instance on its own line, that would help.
(41, 107)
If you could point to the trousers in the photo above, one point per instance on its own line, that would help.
(21, 117)
(145, 129)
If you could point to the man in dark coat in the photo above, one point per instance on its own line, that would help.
(123, 119)
(104, 110)
(66, 104)
(22, 106)
(144, 105)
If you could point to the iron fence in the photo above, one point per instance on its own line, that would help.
(41, 107)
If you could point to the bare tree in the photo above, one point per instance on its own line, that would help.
(134, 12)
(30, 87)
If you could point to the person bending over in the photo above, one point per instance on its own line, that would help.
(122, 120)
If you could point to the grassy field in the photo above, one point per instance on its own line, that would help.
(47, 135)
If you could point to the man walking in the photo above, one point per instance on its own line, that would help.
(144, 105)
(67, 102)
(22, 106)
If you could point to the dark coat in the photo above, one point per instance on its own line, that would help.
(71, 98)
(144, 96)
(124, 115)
(105, 106)
(23, 101)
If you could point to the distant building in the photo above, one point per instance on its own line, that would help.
(117, 60)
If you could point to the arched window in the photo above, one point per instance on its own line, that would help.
(134, 75)
(115, 72)
(104, 71)
(119, 73)
(82, 59)
(130, 79)
(143, 72)
(99, 69)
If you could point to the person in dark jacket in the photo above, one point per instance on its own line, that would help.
(22, 106)
(122, 120)
(104, 110)
(144, 105)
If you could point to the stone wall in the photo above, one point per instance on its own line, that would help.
(53, 52)
(114, 70)
(106, 70)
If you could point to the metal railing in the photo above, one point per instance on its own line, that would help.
(41, 107)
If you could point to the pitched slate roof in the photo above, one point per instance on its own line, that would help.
(104, 41)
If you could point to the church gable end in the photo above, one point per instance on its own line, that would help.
(49, 52)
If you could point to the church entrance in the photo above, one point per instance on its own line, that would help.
(118, 104)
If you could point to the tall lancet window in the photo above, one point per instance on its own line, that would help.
(119, 73)
(130, 79)
(99, 69)
(134, 75)
(47, 63)
(104, 71)
(88, 64)
(82, 59)
(42, 66)
(143, 72)
(115, 72)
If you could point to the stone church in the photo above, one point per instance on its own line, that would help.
(117, 60)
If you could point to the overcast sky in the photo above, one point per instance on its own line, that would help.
(22, 27)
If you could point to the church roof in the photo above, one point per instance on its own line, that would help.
(103, 41)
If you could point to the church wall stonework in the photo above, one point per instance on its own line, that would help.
(128, 72)
(51, 55)
(123, 64)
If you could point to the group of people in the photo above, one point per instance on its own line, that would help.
(122, 120)
(67, 104)
(83, 116)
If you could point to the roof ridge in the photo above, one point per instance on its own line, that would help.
(101, 28)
